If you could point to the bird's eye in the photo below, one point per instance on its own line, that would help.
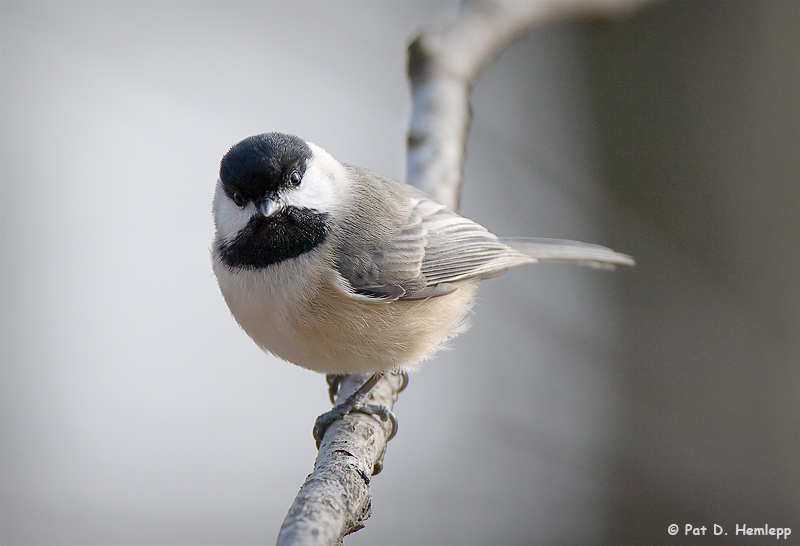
(238, 199)
(295, 178)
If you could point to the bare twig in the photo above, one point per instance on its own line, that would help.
(335, 500)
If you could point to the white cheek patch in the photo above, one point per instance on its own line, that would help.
(228, 218)
(321, 186)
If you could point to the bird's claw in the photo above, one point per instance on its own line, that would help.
(325, 420)
(356, 403)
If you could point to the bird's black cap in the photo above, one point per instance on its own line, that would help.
(261, 165)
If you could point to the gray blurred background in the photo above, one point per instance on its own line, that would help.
(582, 408)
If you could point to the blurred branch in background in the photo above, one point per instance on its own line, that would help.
(443, 64)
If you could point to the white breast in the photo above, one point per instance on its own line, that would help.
(301, 314)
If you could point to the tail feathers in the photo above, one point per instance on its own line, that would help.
(590, 255)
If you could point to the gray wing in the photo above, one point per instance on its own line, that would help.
(459, 249)
(433, 249)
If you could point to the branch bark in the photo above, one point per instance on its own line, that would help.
(335, 500)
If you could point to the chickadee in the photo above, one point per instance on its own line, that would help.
(340, 270)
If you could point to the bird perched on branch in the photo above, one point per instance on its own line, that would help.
(340, 270)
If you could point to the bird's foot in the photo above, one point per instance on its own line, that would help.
(355, 402)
